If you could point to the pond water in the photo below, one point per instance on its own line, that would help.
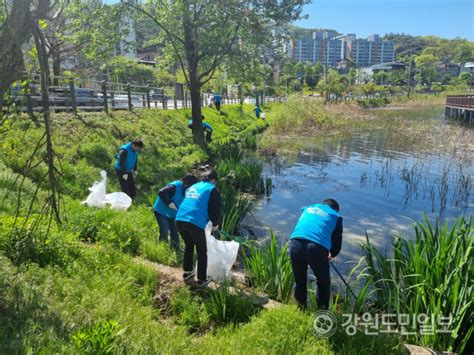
(380, 184)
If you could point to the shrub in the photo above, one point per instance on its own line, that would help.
(373, 102)
(269, 268)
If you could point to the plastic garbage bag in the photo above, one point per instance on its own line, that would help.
(99, 198)
(221, 255)
(96, 197)
(118, 200)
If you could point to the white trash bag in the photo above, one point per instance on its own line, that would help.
(221, 255)
(99, 198)
(118, 200)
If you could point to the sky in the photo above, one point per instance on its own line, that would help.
(443, 18)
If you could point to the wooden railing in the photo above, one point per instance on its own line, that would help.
(461, 101)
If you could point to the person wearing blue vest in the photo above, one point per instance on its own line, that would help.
(257, 111)
(206, 126)
(315, 241)
(217, 101)
(166, 206)
(202, 203)
(126, 165)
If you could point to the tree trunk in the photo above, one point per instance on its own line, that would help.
(16, 31)
(194, 84)
(43, 63)
(56, 65)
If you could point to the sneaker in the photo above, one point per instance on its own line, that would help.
(203, 283)
(188, 275)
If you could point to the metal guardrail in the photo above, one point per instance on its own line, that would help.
(461, 101)
(72, 94)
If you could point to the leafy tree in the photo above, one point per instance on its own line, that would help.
(203, 33)
(427, 64)
(335, 85)
(465, 53)
(126, 70)
(82, 29)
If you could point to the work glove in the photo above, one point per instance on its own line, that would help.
(125, 177)
(135, 173)
(330, 257)
(173, 206)
(215, 228)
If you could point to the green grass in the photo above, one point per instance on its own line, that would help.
(431, 275)
(77, 288)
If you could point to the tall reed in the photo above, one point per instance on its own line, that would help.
(235, 206)
(432, 275)
(269, 269)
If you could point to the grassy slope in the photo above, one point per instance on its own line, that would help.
(58, 286)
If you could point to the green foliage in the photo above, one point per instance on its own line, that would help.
(429, 275)
(373, 102)
(96, 154)
(224, 306)
(235, 207)
(98, 339)
(188, 309)
(125, 70)
(300, 115)
(24, 242)
(244, 175)
(284, 330)
(269, 269)
(159, 252)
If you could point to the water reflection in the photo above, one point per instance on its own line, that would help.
(380, 188)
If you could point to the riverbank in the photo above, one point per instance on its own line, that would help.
(76, 287)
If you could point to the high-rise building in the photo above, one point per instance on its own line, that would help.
(328, 48)
(370, 51)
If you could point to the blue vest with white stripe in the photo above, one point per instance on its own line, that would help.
(131, 160)
(178, 197)
(316, 224)
(194, 208)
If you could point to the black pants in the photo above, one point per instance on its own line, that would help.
(209, 136)
(303, 253)
(218, 106)
(127, 186)
(194, 236)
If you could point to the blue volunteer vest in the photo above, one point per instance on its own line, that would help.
(257, 111)
(205, 125)
(194, 208)
(217, 98)
(178, 197)
(316, 224)
(131, 160)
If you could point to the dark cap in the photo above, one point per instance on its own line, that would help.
(138, 143)
(209, 173)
